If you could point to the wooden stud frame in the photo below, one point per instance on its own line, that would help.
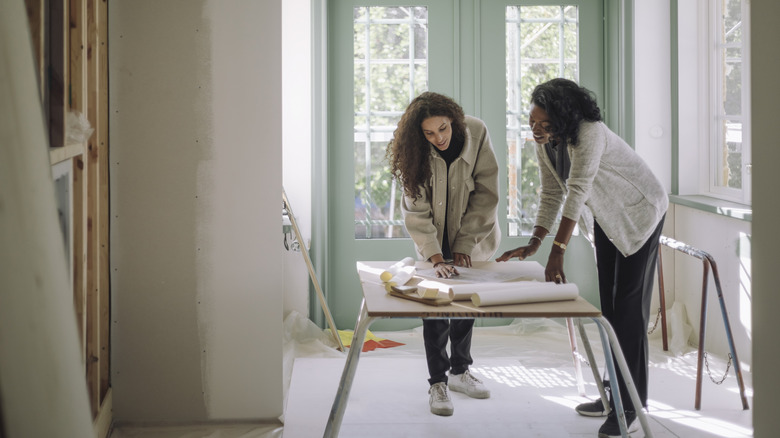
(69, 39)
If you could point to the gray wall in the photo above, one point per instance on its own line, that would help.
(196, 181)
(766, 210)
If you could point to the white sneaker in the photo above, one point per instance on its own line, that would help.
(440, 401)
(469, 385)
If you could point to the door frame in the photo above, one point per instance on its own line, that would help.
(466, 87)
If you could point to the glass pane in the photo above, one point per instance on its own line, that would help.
(732, 21)
(727, 146)
(390, 41)
(391, 68)
(359, 14)
(421, 41)
(360, 88)
(729, 170)
(542, 43)
(732, 81)
(390, 87)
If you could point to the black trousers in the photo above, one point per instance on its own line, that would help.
(436, 333)
(626, 289)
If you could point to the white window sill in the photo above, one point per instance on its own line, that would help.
(714, 205)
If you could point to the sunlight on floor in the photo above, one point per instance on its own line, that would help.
(697, 421)
(569, 402)
(519, 376)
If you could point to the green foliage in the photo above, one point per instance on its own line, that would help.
(385, 37)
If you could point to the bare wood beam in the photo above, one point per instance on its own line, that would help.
(58, 155)
(100, 50)
(79, 247)
(77, 66)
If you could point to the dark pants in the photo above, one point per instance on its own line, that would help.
(436, 333)
(626, 289)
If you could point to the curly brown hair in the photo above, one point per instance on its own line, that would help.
(409, 152)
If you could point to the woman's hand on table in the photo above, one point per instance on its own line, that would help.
(445, 270)
(554, 269)
(463, 260)
(521, 253)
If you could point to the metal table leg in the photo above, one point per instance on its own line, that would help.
(610, 342)
(348, 375)
(592, 360)
(575, 356)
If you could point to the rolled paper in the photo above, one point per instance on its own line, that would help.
(426, 288)
(402, 276)
(369, 273)
(522, 292)
(430, 292)
(388, 274)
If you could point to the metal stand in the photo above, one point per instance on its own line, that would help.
(708, 262)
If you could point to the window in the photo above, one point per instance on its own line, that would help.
(381, 55)
(542, 43)
(390, 69)
(714, 99)
(730, 138)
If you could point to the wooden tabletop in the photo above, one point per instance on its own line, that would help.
(380, 304)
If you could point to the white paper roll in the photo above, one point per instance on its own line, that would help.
(390, 272)
(520, 292)
(401, 277)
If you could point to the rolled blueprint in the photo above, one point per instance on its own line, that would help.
(388, 274)
(520, 292)
(401, 277)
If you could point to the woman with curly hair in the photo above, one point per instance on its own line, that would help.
(590, 170)
(446, 165)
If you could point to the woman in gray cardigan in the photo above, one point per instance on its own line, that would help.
(446, 165)
(589, 170)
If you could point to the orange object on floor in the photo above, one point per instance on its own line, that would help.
(371, 342)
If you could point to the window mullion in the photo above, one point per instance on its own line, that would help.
(367, 148)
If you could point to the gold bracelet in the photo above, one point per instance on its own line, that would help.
(560, 245)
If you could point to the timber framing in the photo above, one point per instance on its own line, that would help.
(69, 39)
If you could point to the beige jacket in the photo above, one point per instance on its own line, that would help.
(471, 209)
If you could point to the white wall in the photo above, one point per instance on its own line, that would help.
(195, 143)
(43, 391)
(297, 141)
(652, 88)
(722, 237)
